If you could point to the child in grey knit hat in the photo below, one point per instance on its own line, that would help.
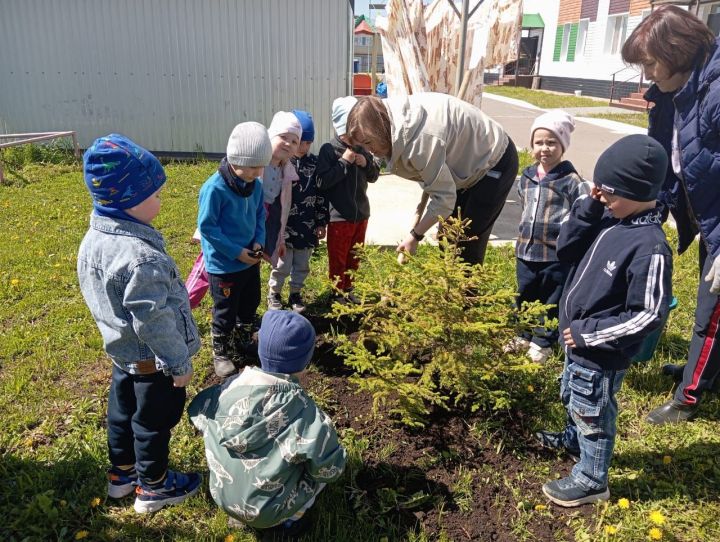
(231, 221)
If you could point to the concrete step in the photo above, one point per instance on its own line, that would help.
(623, 104)
(639, 102)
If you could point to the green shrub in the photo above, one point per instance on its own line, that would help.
(432, 332)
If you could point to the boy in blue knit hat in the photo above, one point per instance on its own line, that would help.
(270, 449)
(132, 288)
(306, 225)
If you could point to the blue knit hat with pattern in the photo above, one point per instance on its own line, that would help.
(286, 342)
(308, 126)
(120, 174)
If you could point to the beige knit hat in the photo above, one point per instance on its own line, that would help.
(249, 145)
(559, 122)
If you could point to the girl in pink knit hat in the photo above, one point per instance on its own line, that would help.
(547, 191)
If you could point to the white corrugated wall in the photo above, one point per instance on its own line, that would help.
(175, 75)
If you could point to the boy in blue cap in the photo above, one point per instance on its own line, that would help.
(306, 225)
(133, 290)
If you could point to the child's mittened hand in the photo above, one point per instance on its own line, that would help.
(568, 339)
(184, 380)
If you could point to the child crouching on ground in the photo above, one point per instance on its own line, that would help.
(133, 290)
(231, 220)
(306, 223)
(270, 449)
(547, 191)
(619, 293)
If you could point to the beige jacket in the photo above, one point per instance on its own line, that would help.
(443, 143)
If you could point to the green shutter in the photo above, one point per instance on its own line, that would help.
(558, 43)
(572, 42)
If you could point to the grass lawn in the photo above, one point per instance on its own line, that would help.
(665, 481)
(545, 100)
(636, 119)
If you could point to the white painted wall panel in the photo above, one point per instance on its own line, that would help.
(175, 75)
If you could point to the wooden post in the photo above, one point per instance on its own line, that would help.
(373, 62)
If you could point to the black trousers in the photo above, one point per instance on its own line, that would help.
(236, 298)
(483, 202)
(142, 409)
(703, 362)
(544, 282)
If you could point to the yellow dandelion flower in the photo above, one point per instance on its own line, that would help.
(540, 507)
(655, 534)
(623, 503)
(230, 538)
(81, 534)
(657, 518)
(95, 502)
(610, 529)
(667, 460)
(530, 388)
(15, 282)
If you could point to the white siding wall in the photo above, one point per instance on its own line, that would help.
(175, 75)
(594, 64)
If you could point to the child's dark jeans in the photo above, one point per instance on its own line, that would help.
(142, 409)
(544, 282)
(589, 398)
(236, 298)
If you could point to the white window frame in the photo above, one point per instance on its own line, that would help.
(582, 34)
(615, 33)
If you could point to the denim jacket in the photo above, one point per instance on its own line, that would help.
(134, 292)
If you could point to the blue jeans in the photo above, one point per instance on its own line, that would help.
(589, 398)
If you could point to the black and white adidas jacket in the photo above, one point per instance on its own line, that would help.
(620, 287)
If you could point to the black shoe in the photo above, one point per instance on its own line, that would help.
(566, 492)
(288, 530)
(675, 371)
(553, 441)
(244, 344)
(296, 302)
(274, 302)
(672, 412)
(223, 355)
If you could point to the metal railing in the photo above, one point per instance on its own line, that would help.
(614, 83)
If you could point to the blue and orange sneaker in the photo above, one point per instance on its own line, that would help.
(173, 490)
(121, 482)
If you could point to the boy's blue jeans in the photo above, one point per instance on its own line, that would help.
(142, 409)
(589, 398)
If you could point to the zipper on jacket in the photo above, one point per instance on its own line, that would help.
(681, 178)
(596, 243)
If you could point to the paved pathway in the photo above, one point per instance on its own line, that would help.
(393, 200)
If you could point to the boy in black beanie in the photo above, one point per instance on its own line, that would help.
(618, 293)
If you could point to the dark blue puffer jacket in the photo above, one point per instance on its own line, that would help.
(698, 108)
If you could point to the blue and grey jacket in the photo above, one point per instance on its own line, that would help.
(134, 292)
(620, 288)
(229, 222)
(694, 200)
(545, 205)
